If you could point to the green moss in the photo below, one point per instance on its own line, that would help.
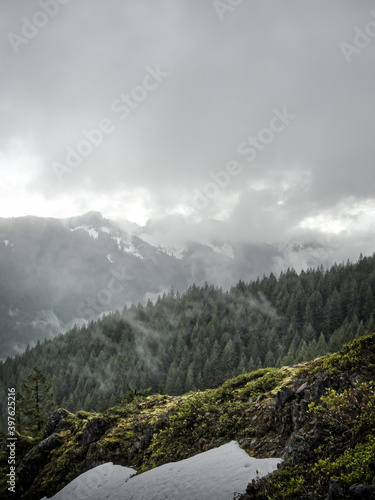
(348, 418)
(253, 383)
(84, 415)
(353, 408)
(118, 438)
(350, 413)
(361, 352)
(285, 483)
(350, 467)
(212, 417)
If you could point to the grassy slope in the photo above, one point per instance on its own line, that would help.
(250, 408)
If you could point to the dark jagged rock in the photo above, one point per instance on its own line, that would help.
(362, 492)
(301, 389)
(303, 392)
(94, 429)
(56, 422)
(335, 491)
(146, 439)
(283, 396)
(35, 461)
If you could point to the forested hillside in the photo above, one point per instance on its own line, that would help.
(204, 336)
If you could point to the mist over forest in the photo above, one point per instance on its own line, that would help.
(57, 273)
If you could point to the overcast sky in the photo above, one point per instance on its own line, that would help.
(179, 89)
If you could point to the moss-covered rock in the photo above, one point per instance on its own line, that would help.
(318, 416)
(331, 428)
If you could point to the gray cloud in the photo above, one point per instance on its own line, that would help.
(225, 79)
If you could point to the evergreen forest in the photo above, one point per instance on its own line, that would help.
(198, 339)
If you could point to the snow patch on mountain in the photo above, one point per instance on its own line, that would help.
(177, 253)
(130, 248)
(180, 253)
(4, 240)
(89, 229)
(181, 249)
(218, 473)
(118, 242)
(127, 247)
(223, 249)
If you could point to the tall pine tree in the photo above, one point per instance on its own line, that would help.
(37, 402)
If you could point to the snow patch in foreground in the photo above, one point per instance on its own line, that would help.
(217, 473)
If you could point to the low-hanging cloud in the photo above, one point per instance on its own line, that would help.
(225, 76)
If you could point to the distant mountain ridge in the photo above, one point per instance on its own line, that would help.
(55, 273)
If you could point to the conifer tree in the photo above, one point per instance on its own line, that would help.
(322, 346)
(170, 384)
(228, 358)
(303, 352)
(269, 359)
(190, 382)
(308, 333)
(37, 401)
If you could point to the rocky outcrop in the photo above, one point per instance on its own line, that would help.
(94, 429)
(336, 441)
(267, 411)
(56, 422)
(362, 492)
(35, 461)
